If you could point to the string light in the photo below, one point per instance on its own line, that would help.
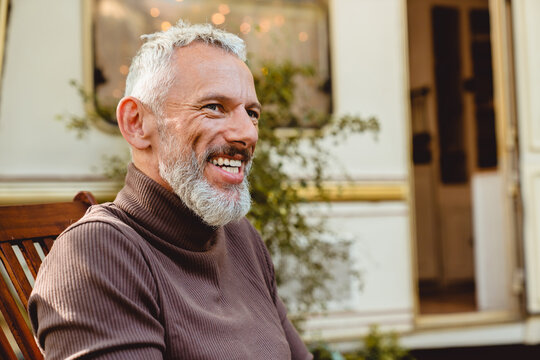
(265, 25)
(218, 18)
(112, 9)
(165, 25)
(224, 9)
(303, 36)
(245, 28)
(154, 12)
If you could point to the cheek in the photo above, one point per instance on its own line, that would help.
(197, 134)
(204, 139)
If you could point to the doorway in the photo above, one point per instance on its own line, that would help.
(463, 264)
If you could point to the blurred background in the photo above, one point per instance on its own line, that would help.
(438, 211)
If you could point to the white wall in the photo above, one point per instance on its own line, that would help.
(369, 79)
(380, 252)
(368, 74)
(44, 51)
(527, 51)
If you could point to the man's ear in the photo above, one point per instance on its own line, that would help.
(133, 122)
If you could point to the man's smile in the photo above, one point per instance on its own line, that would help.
(229, 165)
(224, 169)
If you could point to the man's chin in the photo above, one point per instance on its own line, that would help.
(230, 190)
(216, 203)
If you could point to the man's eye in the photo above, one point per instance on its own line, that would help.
(253, 114)
(214, 107)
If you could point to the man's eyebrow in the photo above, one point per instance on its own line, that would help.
(255, 105)
(224, 98)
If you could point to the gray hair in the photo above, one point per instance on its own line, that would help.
(150, 75)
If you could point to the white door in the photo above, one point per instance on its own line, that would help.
(527, 51)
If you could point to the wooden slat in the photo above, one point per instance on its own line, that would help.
(16, 323)
(86, 198)
(31, 256)
(37, 221)
(15, 272)
(6, 351)
(46, 245)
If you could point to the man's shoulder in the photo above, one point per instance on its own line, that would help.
(101, 227)
(104, 215)
(100, 241)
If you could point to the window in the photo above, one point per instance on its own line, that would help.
(275, 31)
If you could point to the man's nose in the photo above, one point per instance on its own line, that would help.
(241, 129)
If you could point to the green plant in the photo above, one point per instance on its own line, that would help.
(321, 351)
(276, 211)
(380, 346)
(376, 346)
(298, 244)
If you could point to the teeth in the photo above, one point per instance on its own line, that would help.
(232, 170)
(227, 162)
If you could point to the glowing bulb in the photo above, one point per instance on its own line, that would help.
(303, 36)
(245, 28)
(218, 18)
(265, 26)
(154, 12)
(165, 25)
(224, 9)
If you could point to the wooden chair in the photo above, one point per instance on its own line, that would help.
(25, 232)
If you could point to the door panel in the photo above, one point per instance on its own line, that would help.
(527, 52)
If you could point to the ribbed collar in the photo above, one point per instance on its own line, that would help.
(162, 213)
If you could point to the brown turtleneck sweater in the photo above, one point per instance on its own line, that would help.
(144, 278)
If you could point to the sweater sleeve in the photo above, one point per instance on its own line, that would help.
(298, 349)
(95, 297)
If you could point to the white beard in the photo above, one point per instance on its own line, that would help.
(184, 173)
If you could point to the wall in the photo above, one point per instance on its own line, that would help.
(38, 156)
(379, 251)
(369, 78)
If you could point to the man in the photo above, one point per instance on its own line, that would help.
(172, 269)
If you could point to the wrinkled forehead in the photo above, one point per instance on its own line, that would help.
(198, 67)
(199, 55)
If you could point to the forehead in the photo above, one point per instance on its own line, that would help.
(199, 65)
